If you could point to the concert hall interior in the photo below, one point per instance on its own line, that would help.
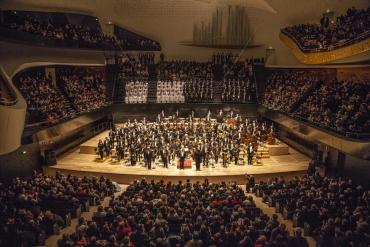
(187, 123)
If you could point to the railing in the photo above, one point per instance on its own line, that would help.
(352, 135)
(361, 37)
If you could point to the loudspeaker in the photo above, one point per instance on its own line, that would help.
(50, 158)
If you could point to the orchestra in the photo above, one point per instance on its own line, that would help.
(172, 139)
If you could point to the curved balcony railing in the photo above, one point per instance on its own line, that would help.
(352, 48)
(359, 38)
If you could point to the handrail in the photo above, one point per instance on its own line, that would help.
(360, 37)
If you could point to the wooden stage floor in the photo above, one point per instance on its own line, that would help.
(80, 164)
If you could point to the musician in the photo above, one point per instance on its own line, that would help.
(220, 116)
(148, 157)
(107, 146)
(198, 156)
(225, 157)
(236, 152)
(205, 155)
(250, 151)
(120, 152)
(133, 157)
(208, 117)
(165, 153)
(216, 153)
(182, 157)
(101, 149)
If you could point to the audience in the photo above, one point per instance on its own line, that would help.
(181, 214)
(43, 97)
(286, 87)
(343, 106)
(351, 27)
(69, 34)
(32, 209)
(237, 70)
(184, 70)
(336, 210)
(85, 87)
(136, 66)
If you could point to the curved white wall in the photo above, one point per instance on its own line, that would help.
(170, 21)
(11, 122)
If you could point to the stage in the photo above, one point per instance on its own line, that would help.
(86, 163)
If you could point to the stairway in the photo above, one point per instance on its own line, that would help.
(152, 91)
(68, 101)
(119, 91)
(152, 70)
(217, 91)
(305, 95)
(218, 74)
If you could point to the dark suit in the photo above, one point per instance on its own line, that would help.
(182, 157)
(148, 156)
(165, 154)
(250, 151)
(198, 158)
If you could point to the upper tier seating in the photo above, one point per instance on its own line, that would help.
(339, 105)
(75, 90)
(85, 87)
(55, 29)
(286, 87)
(349, 28)
(45, 102)
(343, 106)
(182, 70)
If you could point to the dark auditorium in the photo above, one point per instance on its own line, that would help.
(184, 123)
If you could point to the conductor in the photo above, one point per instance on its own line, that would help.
(250, 151)
(182, 157)
(198, 158)
(148, 156)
